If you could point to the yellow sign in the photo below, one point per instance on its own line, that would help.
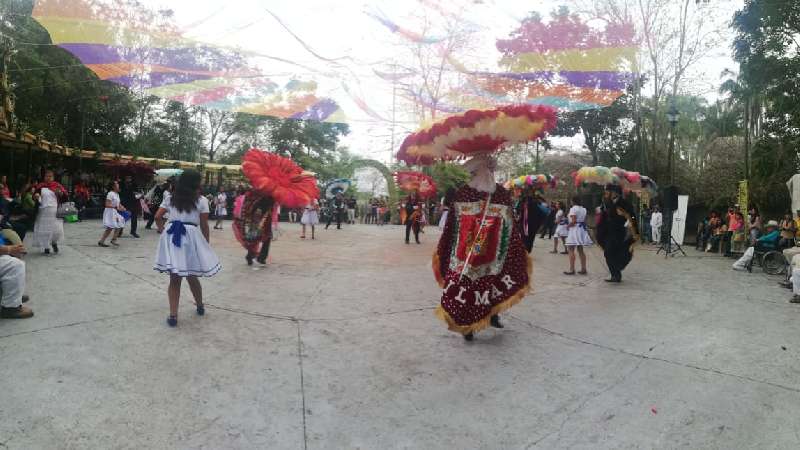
(744, 201)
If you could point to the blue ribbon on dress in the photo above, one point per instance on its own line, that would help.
(582, 225)
(177, 229)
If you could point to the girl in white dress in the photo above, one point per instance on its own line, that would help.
(310, 217)
(184, 250)
(220, 209)
(48, 230)
(112, 219)
(577, 236)
(561, 229)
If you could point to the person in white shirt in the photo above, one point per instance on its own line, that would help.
(112, 220)
(220, 210)
(577, 236)
(656, 221)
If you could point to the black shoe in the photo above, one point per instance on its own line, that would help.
(469, 336)
(135, 235)
(613, 280)
(495, 322)
(25, 298)
(55, 247)
(263, 262)
(47, 251)
(249, 260)
(407, 242)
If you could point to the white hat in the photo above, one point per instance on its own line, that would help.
(772, 223)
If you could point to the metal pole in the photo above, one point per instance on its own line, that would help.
(670, 163)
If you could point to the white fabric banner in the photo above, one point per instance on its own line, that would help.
(679, 219)
(794, 191)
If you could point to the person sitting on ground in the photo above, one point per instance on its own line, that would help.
(788, 230)
(12, 282)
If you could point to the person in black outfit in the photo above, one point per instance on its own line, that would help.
(549, 226)
(612, 235)
(155, 202)
(335, 210)
(414, 216)
(531, 216)
(127, 196)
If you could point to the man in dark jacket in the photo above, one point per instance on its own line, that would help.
(612, 233)
(127, 196)
(532, 212)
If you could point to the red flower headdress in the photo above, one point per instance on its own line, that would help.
(416, 182)
(279, 178)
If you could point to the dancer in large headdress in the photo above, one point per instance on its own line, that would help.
(420, 187)
(612, 233)
(276, 181)
(616, 213)
(480, 262)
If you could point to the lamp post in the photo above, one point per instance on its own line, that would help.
(672, 116)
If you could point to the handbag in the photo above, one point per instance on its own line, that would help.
(66, 209)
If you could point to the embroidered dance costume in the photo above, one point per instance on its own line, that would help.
(498, 268)
(253, 227)
(612, 235)
(182, 248)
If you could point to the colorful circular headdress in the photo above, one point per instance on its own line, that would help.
(279, 178)
(477, 132)
(415, 182)
(629, 181)
(539, 182)
(338, 186)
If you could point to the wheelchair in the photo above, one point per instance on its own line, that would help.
(771, 260)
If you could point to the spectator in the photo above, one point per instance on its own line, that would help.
(737, 231)
(717, 230)
(5, 192)
(755, 225)
(771, 239)
(12, 282)
(351, 210)
(656, 221)
(788, 230)
(702, 233)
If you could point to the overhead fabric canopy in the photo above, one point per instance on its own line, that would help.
(334, 61)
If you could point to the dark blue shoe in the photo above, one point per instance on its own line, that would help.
(172, 321)
(201, 310)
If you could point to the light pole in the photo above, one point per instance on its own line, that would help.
(672, 116)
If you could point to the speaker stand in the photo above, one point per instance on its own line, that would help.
(668, 243)
(670, 247)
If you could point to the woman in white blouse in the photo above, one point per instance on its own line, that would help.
(112, 220)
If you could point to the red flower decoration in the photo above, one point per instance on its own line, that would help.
(279, 178)
(416, 182)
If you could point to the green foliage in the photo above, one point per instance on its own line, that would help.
(448, 176)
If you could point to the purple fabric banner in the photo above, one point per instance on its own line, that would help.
(156, 79)
(188, 58)
(318, 111)
(613, 81)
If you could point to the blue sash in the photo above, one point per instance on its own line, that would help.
(178, 229)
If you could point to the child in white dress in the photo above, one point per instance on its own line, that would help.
(310, 217)
(561, 229)
(220, 208)
(184, 250)
(577, 236)
(113, 222)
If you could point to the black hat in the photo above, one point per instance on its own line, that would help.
(614, 188)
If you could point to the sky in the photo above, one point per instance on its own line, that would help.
(341, 44)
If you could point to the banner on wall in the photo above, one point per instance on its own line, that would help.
(679, 219)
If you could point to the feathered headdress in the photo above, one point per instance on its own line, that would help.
(279, 178)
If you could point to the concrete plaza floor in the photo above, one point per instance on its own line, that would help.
(334, 345)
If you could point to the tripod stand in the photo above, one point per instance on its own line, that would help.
(668, 242)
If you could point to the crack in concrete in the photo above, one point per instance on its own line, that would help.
(591, 396)
(302, 383)
(81, 322)
(652, 358)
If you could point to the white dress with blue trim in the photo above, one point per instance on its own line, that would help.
(182, 249)
(578, 234)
